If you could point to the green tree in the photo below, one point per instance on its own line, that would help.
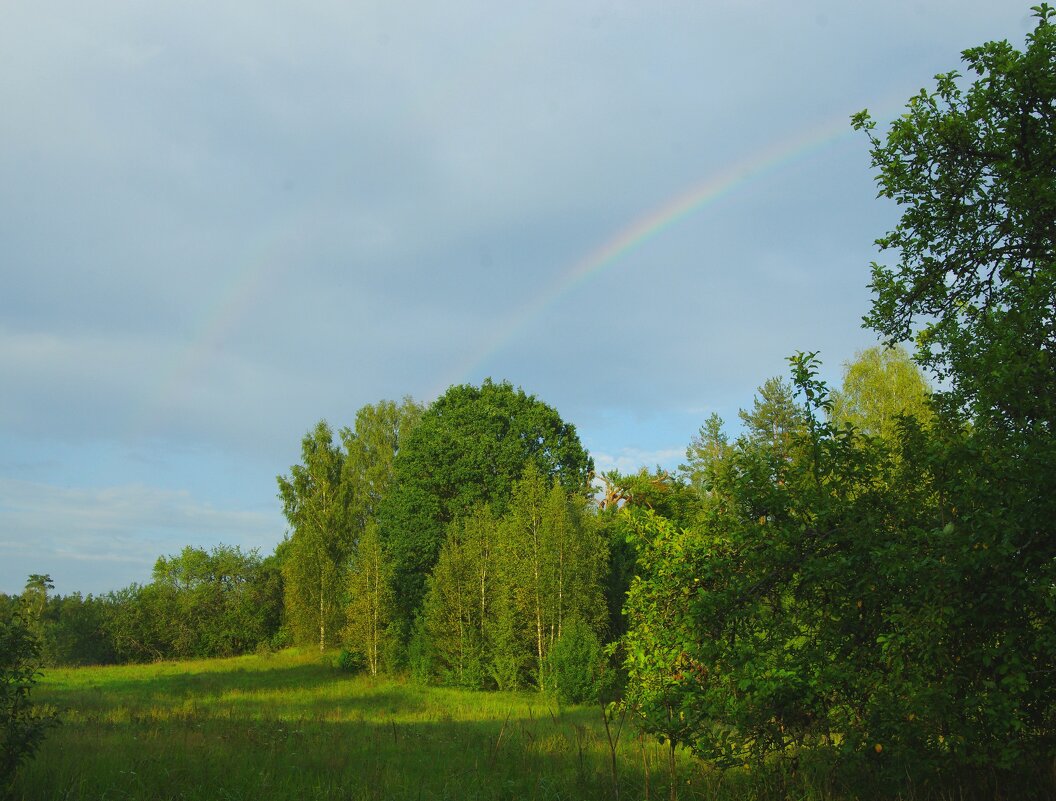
(524, 567)
(138, 623)
(370, 452)
(708, 448)
(449, 611)
(459, 605)
(576, 557)
(773, 420)
(879, 386)
(220, 602)
(370, 599)
(76, 632)
(35, 601)
(315, 502)
(759, 631)
(469, 448)
(973, 170)
(551, 561)
(668, 495)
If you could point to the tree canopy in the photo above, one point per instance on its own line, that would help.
(879, 386)
(973, 169)
(469, 448)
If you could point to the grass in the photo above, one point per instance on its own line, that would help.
(289, 726)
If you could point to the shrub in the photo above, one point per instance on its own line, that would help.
(22, 727)
(575, 662)
(350, 661)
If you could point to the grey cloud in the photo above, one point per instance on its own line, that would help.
(221, 222)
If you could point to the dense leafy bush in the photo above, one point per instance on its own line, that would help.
(350, 661)
(22, 727)
(575, 663)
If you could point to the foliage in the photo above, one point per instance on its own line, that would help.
(22, 726)
(217, 603)
(973, 169)
(371, 448)
(880, 386)
(458, 613)
(350, 661)
(883, 590)
(370, 600)
(503, 589)
(76, 631)
(674, 497)
(35, 601)
(469, 448)
(773, 421)
(707, 449)
(574, 664)
(550, 564)
(870, 602)
(316, 503)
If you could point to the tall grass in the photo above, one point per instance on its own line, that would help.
(289, 726)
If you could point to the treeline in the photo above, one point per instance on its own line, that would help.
(199, 603)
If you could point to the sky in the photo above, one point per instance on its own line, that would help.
(221, 222)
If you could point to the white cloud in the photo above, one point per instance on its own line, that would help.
(630, 460)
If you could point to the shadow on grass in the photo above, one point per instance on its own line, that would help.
(301, 730)
(211, 757)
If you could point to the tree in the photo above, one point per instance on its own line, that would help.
(773, 420)
(879, 386)
(469, 448)
(370, 599)
(35, 601)
(764, 628)
(551, 560)
(973, 169)
(218, 603)
(708, 448)
(524, 567)
(371, 449)
(451, 606)
(315, 502)
(459, 605)
(76, 633)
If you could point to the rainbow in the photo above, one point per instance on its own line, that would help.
(650, 225)
(216, 319)
(273, 255)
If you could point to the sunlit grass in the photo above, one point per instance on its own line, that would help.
(289, 726)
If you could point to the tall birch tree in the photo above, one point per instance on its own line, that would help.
(370, 606)
(315, 503)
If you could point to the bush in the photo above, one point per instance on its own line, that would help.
(350, 661)
(22, 728)
(575, 664)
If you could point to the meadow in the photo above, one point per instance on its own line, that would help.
(291, 726)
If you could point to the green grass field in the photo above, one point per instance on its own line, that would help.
(289, 726)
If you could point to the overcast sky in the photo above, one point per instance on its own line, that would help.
(223, 221)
